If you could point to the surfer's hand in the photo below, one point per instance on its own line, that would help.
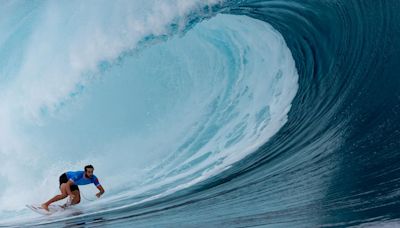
(71, 196)
(98, 195)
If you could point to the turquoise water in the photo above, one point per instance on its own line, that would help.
(201, 113)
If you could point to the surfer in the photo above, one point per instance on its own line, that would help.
(69, 182)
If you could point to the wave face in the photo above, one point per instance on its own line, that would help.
(202, 113)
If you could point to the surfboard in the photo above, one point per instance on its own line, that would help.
(52, 209)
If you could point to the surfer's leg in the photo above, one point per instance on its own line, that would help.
(77, 198)
(57, 197)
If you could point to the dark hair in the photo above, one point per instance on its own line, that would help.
(88, 167)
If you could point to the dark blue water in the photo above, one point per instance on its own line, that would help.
(335, 163)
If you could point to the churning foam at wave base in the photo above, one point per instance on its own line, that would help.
(227, 84)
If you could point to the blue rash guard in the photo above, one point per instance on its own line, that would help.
(79, 178)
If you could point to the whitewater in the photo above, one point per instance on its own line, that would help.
(201, 113)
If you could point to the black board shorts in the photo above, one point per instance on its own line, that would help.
(64, 179)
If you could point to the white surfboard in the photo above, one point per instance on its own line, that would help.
(52, 209)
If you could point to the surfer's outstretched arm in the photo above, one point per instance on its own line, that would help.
(101, 189)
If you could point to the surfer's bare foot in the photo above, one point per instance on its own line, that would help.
(44, 206)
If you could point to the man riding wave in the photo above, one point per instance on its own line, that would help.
(69, 182)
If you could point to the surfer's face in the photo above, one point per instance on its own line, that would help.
(89, 172)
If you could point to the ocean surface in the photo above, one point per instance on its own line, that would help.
(257, 113)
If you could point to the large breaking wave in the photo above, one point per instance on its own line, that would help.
(235, 113)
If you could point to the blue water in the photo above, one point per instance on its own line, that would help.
(202, 113)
